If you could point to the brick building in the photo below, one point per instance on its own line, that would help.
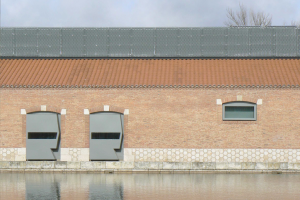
(218, 100)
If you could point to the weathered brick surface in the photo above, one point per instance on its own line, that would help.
(161, 118)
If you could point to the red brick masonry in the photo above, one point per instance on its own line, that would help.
(162, 118)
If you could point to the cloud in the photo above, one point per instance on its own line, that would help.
(136, 13)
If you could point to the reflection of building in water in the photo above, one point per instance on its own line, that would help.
(108, 186)
(74, 186)
(57, 186)
(43, 186)
(150, 94)
(12, 186)
(148, 186)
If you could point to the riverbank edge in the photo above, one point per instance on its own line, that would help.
(147, 167)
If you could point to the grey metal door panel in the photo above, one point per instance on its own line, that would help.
(106, 149)
(106, 122)
(41, 123)
(40, 149)
(120, 152)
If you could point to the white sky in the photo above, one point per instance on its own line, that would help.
(137, 13)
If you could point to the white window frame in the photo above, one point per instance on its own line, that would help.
(239, 104)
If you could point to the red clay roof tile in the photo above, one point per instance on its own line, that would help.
(148, 72)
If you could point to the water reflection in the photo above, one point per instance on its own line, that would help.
(149, 186)
(42, 187)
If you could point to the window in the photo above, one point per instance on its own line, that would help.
(32, 135)
(114, 136)
(238, 111)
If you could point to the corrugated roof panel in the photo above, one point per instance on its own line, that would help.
(97, 40)
(7, 42)
(25, 42)
(49, 42)
(150, 42)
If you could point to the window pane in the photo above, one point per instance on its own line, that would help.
(42, 135)
(106, 136)
(239, 112)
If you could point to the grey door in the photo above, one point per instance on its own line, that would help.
(43, 136)
(106, 136)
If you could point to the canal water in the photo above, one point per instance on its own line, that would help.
(149, 186)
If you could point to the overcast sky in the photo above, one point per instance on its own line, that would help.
(137, 13)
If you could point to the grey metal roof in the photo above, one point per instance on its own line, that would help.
(150, 42)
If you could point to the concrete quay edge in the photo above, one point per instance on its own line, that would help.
(147, 167)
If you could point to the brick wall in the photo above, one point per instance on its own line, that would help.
(162, 118)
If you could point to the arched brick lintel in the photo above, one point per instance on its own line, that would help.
(234, 98)
(112, 108)
(39, 109)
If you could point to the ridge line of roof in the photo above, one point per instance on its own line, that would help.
(138, 86)
(149, 58)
